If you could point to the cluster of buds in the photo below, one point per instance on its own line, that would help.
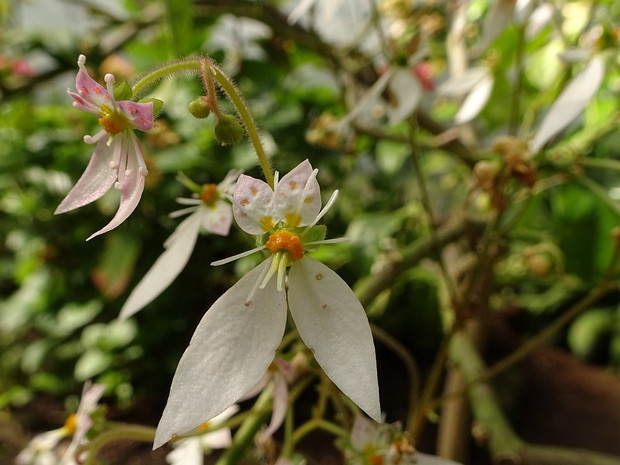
(515, 163)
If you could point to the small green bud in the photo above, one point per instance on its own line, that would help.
(122, 91)
(228, 130)
(199, 108)
(157, 105)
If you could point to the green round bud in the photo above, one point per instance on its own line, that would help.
(228, 130)
(199, 108)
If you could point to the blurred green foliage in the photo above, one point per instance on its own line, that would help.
(61, 295)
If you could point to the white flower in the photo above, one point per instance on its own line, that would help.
(237, 339)
(42, 448)
(117, 155)
(191, 450)
(209, 212)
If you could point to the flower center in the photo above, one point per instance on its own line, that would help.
(71, 423)
(113, 122)
(288, 242)
(209, 193)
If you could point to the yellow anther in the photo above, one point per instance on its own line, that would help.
(292, 219)
(267, 223)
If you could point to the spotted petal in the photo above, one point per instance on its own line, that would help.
(234, 344)
(217, 218)
(92, 96)
(333, 324)
(253, 205)
(94, 182)
(297, 198)
(179, 248)
(140, 114)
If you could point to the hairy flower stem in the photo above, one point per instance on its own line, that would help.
(120, 431)
(198, 65)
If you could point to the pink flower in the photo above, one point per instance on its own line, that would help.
(117, 159)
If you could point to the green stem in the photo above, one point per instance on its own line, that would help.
(197, 64)
(233, 94)
(154, 76)
(122, 431)
(246, 432)
(318, 423)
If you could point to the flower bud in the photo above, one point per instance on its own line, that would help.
(486, 171)
(228, 130)
(199, 108)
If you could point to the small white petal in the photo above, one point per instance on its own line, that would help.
(280, 404)
(333, 324)
(234, 344)
(425, 459)
(217, 219)
(186, 452)
(297, 198)
(475, 101)
(179, 247)
(571, 102)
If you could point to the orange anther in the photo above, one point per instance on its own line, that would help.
(208, 192)
(286, 241)
(71, 423)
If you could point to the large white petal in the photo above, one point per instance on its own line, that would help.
(179, 248)
(333, 324)
(234, 344)
(571, 102)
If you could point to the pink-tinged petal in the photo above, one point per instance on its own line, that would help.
(297, 198)
(280, 404)
(94, 182)
(91, 91)
(363, 432)
(83, 105)
(253, 205)
(234, 344)
(132, 183)
(257, 388)
(140, 114)
(179, 248)
(217, 218)
(333, 324)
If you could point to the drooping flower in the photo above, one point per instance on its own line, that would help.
(41, 450)
(236, 340)
(210, 212)
(117, 159)
(191, 450)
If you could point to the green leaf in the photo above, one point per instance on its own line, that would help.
(91, 363)
(180, 21)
